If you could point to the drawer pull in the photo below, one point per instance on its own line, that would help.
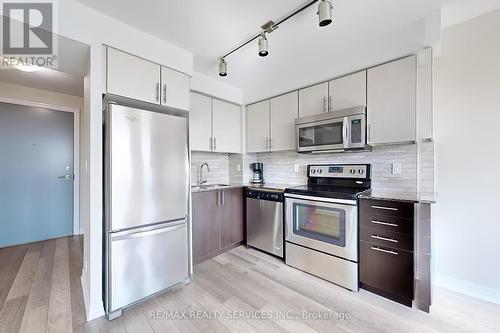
(385, 208)
(385, 239)
(384, 251)
(385, 223)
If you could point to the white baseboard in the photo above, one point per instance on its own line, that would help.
(92, 311)
(467, 288)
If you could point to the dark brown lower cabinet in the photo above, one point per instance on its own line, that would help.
(386, 249)
(217, 222)
(387, 271)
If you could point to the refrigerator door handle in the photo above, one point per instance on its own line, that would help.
(169, 226)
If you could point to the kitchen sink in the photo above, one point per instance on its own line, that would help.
(208, 187)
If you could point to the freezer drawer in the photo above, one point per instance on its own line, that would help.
(146, 261)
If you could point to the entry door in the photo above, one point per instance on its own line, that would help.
(36, 174)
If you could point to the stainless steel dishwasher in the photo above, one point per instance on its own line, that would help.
(265, 220)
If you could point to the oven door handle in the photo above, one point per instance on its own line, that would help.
(321, 199)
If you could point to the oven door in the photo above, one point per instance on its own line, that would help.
(330, 134)
(326, 225)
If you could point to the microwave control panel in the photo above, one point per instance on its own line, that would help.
(356, 131)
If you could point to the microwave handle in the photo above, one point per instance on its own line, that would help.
(345, 132)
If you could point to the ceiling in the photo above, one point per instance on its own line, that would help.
(45, 79)
(364, 32)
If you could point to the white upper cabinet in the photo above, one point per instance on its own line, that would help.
(284, 111)
(257, 126)
(391, 102)
(347, 92)
(137, 78)
(174, 89)
(132, 77)
(214, 125)
(226, 133)
(313, 100)
(200, 123)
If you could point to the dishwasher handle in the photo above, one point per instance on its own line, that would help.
(265, 195)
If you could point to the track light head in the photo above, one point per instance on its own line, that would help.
(263, 46)
(325, 12)
(222, 67)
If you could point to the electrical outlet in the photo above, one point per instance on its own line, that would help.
(396, 168)
(238, 168)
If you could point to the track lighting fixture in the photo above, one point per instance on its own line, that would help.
(325, 12)
(222, 67)
(263, 46)
(325, 17)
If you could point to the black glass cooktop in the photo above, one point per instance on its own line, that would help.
(328, 191)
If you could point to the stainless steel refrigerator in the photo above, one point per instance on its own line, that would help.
(146, 186)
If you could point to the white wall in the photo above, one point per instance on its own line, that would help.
(210, 86)
(467, 126)
(88, 26)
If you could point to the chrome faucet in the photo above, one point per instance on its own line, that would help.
(202, 181)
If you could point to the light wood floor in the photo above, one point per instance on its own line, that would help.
(40, 292)
(40, 288)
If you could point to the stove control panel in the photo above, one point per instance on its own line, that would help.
(359, 171)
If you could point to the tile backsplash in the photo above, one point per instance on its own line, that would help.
(281, 167)
(217, 162)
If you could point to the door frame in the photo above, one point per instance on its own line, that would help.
(76, 150)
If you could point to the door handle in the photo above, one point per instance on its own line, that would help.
(330, 104)
(375, 248)
(344, 132)
(384, 223)
(324, 104)
(385, 208)
(138, 234)
(158, 92)
(165, 93)
(215, 143)
(385, 239)
(223, 198)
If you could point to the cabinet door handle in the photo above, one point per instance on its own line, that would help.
(385, 223)
(385, 239)
(270, 144)
(369, 132)
(330, 104)
(215, 144)
(385, 208)
(324, 104)
(223, 197)
(210, 143)
(158, 92)
(218, 198)
(165, 93)
(375, 248)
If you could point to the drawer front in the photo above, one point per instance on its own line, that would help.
(387, 208)
(386, 238)
(386, 223)
(387, 269)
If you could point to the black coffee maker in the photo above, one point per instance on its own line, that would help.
(257, 173)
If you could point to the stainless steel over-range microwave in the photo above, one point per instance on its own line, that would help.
(335, 131)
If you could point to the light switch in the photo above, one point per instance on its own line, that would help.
(296, 168)
(396, 168)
